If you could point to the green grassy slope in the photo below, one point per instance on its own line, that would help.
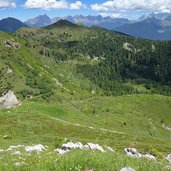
(135, 121)
(38, 75)
(120, 122)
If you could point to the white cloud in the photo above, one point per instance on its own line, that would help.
(53, 4)
(112, 15)
(7, 4)
(127, 5)
(77, 5)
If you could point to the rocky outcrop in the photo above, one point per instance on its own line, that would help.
(12, 43)
(89, 146)
(37, 148)
(9, 100)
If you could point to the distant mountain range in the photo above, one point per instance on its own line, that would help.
(151, 28)
(160, 16)
(155, 26)
(105, 22)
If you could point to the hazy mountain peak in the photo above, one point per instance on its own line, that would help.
(160, 16)
(168, 18)
(39, 21)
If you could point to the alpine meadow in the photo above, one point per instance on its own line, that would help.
(81, 98)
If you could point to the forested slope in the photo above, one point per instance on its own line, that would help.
(114, 62)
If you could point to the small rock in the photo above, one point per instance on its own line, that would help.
(16, 153)
(20, 164)
(37, 148)
(9, 71)
(5, 136)
(127, 169)
(92, 146)
(168, 158)
(148, 156)
(110, 148)
(132, 152)
(71, 145)
(12, 148)
(60, 151)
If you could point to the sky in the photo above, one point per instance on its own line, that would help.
(131, 9)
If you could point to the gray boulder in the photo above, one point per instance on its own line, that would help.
(132, 152)
(127, 169)
(9, 100)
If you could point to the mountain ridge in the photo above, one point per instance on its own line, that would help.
(154, 27)
(62, 24)
(11, 24)
(151, 28)
(39, 21)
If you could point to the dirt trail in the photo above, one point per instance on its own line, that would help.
(89, 127)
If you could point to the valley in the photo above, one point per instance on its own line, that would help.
(88, 85)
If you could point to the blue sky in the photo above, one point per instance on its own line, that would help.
(132, 9)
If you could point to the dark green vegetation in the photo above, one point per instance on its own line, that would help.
(88, 85)
(113, 62)
(11, 24)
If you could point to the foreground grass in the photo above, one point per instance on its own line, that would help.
(77, 161)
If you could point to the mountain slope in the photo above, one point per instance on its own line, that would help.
(62, 24)
(150, 28)
(39, 21)
(11, 25)
(116, 58)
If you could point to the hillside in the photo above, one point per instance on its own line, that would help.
(151, 28)
(120, 61)
(62, 24)
(11, 24)
(87, 85)
(121, 65)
